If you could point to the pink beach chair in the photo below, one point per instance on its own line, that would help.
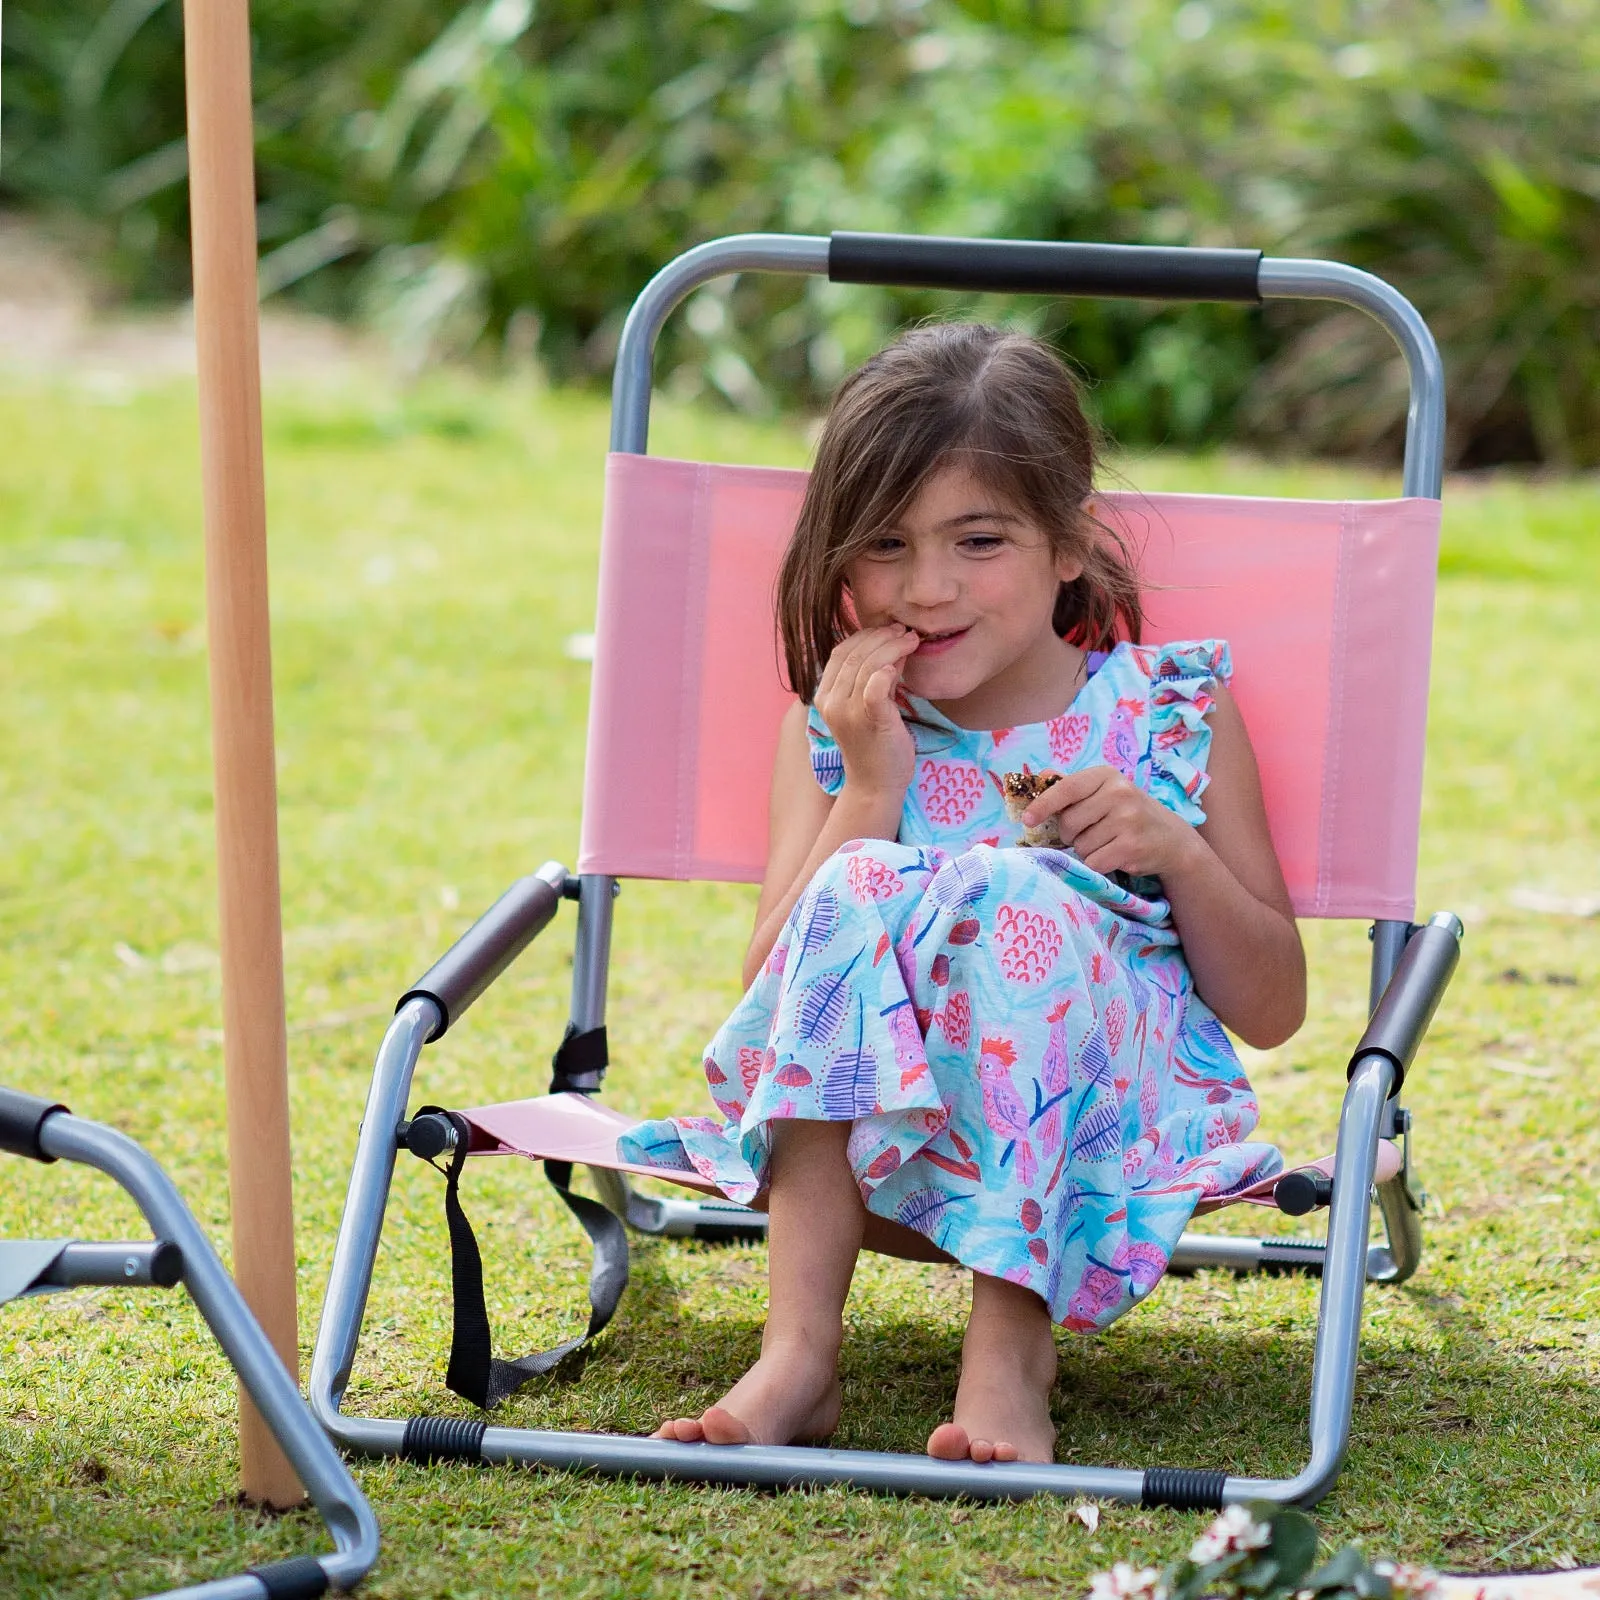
(1328, 608)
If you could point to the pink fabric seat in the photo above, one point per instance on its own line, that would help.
(1328, 606)
(583, 1130)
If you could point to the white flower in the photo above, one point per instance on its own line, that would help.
(1415, 1583)
(1234, 1530)
(1127, 1582)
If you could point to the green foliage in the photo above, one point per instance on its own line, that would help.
(514, 171)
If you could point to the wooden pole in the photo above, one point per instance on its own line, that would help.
(255, 1047)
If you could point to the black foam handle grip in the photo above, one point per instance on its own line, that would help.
(485, 950)
(1410, 998)
(1038, 266)
(22, 1116)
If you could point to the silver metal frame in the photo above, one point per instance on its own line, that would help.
(1371, 1108)
(343, 1507)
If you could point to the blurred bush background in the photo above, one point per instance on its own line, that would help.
(508, 173)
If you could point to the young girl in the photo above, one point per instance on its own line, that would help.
(953, 1048)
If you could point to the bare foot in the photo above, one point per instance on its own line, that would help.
(996, 1421)
(785, 1398)
(1008, 1366)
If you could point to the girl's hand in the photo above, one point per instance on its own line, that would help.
(856, 700)
(1113, 824)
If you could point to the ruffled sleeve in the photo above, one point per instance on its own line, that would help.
(1183, 680)
(826, 762)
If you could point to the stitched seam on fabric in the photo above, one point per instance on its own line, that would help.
(1428, 624)
(593, 737)
(1332, 751)
(690, 666)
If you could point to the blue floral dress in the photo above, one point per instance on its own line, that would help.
(1033, 1083)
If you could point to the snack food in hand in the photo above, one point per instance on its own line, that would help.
(1019, 788)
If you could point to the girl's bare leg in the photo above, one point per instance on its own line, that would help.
(1008, 1366)
(814, 1234)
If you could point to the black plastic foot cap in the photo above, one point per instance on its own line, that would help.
(300, 1578)
(431, 1439)
(1183, 1488)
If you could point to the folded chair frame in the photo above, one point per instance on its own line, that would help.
(180, 1253)
(1410, 969)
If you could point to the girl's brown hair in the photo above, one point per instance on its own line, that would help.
(1001, 404)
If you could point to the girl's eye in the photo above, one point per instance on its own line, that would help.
(886, 546)
(982, 542)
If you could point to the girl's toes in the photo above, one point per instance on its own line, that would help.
(949, 1442)
(685, 1430)
(1005, 1452)
(720, 1426)
(982, 1451)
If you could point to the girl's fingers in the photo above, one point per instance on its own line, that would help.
(877, 693)
(830, 672)
(1093, 840)
(843, 665)
(1076, 819)
(838, 681)
(1104, 862)
(1074, 789)
(886, 652)
(837, 663)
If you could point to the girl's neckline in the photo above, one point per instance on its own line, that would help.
(927, 712)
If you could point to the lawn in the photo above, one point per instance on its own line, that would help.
(431, 554)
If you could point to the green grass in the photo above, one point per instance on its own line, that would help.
(429, 557)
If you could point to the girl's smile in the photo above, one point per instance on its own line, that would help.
(935, 643)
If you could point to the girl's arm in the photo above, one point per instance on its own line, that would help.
(1222, 879)
(1229, 901)
(806, 824)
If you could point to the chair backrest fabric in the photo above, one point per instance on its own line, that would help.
(1327, 605)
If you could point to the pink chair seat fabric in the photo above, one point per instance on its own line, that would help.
(1328, 607)
(582, 1129)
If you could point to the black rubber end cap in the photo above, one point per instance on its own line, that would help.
(166, 1265)
(430, 1136)
(1297, 1193)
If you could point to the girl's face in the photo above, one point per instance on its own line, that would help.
(977, 580)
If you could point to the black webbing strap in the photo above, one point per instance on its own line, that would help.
(580, 1060)
(475, 1373)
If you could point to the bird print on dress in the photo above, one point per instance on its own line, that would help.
(1003, 1109)
(1120, 747)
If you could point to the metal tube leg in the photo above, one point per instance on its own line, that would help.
(355, 1252)
(591, 956)
(1345, 1272)
(1402, 1220)
(343, 1507)
(1344, 1279)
